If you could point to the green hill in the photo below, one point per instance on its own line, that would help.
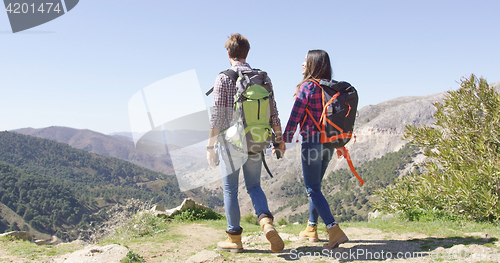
(43, 202)
(57, 188)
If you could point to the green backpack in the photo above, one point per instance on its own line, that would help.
(250, 129)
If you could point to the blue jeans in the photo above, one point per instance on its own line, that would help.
(252, 166)
(315, 159)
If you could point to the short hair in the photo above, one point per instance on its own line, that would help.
(237, 46)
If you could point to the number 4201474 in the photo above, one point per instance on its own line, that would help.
(17, 8)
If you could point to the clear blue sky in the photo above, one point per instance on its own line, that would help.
(81, 69)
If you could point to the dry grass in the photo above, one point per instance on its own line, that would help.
(117, 217)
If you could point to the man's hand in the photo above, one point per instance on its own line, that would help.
(211, 157)
(281, 148)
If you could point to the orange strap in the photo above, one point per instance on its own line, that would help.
(344, 152)
(341, 136)
(349, 108)
(312, 118)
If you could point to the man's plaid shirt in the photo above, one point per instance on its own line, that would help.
(224, 91)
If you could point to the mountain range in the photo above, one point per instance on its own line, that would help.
(379, 129)
(118, 146)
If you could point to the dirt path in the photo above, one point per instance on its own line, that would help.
(186, 241)
(197, 243)
(368, 245)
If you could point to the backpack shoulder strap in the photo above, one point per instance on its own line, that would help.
(337, 86)
(230, 73)
(265, 164)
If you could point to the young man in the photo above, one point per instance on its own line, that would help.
(224, 90)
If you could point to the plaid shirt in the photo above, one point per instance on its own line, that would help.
(309, 96)
(223, 104)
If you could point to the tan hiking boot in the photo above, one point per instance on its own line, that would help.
(335, 237)
(232, 243)
(272, 235)
(310, 233)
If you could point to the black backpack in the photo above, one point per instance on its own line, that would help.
(336, 124)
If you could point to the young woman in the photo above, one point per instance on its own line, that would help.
(315, 155)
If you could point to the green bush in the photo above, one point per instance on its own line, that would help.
(461, 175)
(282, 222)
(132, 257)
(250, 219)
(197, 214)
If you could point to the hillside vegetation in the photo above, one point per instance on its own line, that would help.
(461, 177)
(57, 188)
(349, 200)
(193, 237)
(108, 145)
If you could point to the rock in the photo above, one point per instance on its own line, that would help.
(290, 237)
(18, 234)
(374, 214)
(158, 208)
(55, 241)
(109, 254)
(40, 242)
(206, 256)
(80, 242)
(253, 239)
(478, 234)
(188, 203)
(388, 216)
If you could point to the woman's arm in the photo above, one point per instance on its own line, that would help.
(298, 110)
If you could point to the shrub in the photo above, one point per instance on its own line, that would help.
(461, 175)
(132, 257)
(250, 218)
(282, 222)
(197, 214)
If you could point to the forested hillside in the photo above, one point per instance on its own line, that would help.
(56, 188)
(347, 198)
(44, 203)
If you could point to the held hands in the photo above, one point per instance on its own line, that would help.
(281, 149)
(211, 155)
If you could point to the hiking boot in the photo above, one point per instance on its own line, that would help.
(232, 243)
(266, 223)
(310, 233)
(335, 237)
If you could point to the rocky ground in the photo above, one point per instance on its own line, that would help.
(196, 242)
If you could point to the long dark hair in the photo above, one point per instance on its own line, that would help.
(317, 67)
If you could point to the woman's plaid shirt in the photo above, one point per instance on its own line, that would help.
(224, 91)
(307, 97)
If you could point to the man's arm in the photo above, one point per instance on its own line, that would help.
(210, 146)
(217, 120)
(279, 139)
